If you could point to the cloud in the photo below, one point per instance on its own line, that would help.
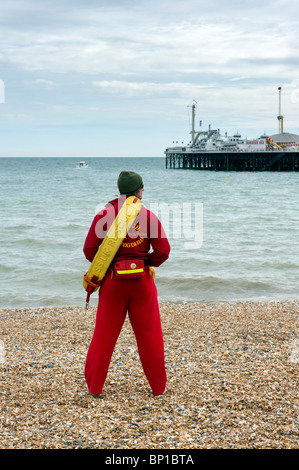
(44, 83)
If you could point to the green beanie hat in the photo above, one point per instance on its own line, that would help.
(129, 182)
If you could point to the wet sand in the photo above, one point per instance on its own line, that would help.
(232, 380)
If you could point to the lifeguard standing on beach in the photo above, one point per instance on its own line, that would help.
(128, 286)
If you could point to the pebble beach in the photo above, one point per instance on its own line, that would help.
(232, 380)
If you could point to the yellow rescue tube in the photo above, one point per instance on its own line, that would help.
(111, 243)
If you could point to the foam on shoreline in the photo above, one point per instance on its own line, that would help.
(232, 380)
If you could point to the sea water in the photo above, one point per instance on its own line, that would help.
(233, 236)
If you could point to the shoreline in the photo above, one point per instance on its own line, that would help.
(232, 372)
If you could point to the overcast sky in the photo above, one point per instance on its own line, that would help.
(88, 78)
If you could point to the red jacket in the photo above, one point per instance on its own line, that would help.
(146, 233)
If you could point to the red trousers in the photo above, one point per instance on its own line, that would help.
(138, 297)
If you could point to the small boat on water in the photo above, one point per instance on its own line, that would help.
(82, 164)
